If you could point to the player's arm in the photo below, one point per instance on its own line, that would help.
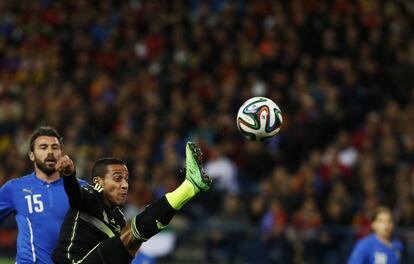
(359, 254)
(73, 190)
(6, 202)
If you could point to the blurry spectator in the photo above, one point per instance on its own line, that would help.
(362, 218)
(224, 242)
(406, 215)
(334, 237)
(306, 182)
(281, 181)
(347, 155)
(222, 170)
(256, 209)
(340, 194)
(306, 221)
(139, 196)
(278, 248)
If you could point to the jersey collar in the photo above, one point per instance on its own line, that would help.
(42, 182)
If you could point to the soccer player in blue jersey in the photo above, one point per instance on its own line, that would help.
(38, 200)
(379, 247)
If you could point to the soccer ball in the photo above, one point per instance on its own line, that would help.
(259, 119)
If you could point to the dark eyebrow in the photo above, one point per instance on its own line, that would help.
(45, 144)
(116, 173)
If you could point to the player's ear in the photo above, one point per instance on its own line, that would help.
(96, 180)
(373, 225)
(31, 156)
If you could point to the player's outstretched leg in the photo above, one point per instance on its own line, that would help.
(158, 215)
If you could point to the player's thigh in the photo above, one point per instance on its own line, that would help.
(110, 251)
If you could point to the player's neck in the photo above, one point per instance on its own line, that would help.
(384, 240)
(47, 178)
(108, 204)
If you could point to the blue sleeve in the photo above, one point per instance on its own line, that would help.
(142, 258)
(6, 200)
(82, 182)
(359, 254)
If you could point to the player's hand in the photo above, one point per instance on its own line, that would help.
(65, 166)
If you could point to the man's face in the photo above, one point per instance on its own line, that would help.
(383, 225)
(115, 184)
(46, 152)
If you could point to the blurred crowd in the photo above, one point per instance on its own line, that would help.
(136, 79)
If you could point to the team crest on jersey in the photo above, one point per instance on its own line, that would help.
(380, 258)
(112, 223)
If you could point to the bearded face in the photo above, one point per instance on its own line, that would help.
(46, 152)
(47, 165)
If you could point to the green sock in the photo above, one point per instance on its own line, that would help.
(180, 196)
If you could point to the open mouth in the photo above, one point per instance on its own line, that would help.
(50, 160)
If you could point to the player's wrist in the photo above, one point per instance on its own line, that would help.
(68, 174)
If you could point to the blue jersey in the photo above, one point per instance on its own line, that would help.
(370, 250)
(142, 258)
(39, 208)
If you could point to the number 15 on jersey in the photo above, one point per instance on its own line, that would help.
(34, 202)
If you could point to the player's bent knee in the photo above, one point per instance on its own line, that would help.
(129, 241)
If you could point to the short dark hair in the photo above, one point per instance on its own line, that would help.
(99, 168)
(44, 131)
(379, 210)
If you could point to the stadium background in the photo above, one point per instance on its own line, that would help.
(136, 79)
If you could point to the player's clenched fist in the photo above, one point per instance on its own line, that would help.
(65, 166)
